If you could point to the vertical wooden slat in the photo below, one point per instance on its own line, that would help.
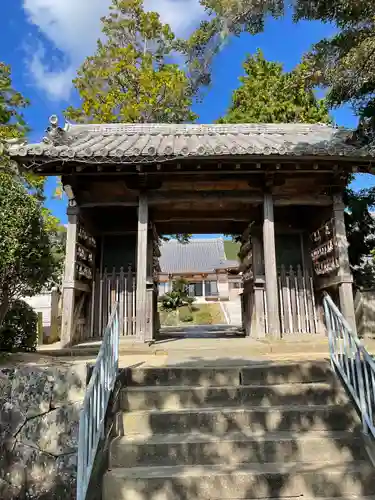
(315, 316)
(134, 302)
(129, 302)
(101, 303)
(121, 300)
(297, 303)
(126, 303)
(307, 316)
(301, 300)
(293, 300)
(310, 307)
(97, 302)
(285, 299)
(92, 305)
(280, 283)
(114, 291)
(289, 303)
(104, 302)
(265, 311)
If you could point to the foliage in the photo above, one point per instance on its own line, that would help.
(360, 227)
(345, 63)
(181, 238)
(11, 104)
(27, 258)
(177, 297)
(270, 95)
(131, 78)
(13, 128)
(20, 328)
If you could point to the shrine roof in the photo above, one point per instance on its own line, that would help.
(157, 142)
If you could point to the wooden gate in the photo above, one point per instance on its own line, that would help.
(110, 287)
(298, 313)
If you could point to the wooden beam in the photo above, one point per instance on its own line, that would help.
(158, 198)
(318, 200)
(103, 204)
(269, 250)
(200, 219)
(141, 296)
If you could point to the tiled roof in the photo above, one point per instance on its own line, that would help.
(197, 256)
(150, 142)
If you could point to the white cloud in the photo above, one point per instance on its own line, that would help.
(73, 27)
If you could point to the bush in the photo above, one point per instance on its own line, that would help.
(171, 301)
(186, 316)
(19, 331)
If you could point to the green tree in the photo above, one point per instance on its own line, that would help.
(344, 64)
(31, 238)
(269, 95)
(131, 77)
(28, 261)
(13, 125)
(177, 297)
(360, 227)
(13, 128)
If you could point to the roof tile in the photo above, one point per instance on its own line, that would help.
(154, 141)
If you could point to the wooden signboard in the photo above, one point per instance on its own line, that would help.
(85, 255)
(324, 253)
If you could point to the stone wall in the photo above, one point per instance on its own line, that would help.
(39, 415)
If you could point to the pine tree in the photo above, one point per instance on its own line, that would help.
(132, 77)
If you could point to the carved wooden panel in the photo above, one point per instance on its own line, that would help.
(324, 252)
(85, 254)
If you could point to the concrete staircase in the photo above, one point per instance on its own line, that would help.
(263, 431)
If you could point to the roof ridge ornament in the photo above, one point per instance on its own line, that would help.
(56, 135)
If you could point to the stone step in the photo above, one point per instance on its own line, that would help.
(255, 481)
(252, 419)
(258, 373)
(179, 397)
(235, 448)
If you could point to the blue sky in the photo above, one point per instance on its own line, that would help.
(44, 41)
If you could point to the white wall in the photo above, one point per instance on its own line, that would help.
(44, 303)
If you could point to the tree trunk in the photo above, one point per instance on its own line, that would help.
(4, 307)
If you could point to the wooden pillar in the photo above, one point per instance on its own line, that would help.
(270, 267)
(258, 271)
(67, 324)
(344, 273)
(203, 287)
(141, 293)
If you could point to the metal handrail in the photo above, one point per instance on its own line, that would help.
(350, 359)
(95, 404)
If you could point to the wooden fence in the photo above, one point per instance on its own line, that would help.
(298, 312)
(108, 288)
